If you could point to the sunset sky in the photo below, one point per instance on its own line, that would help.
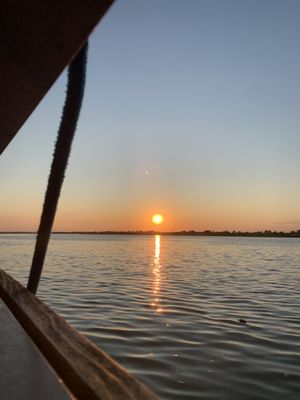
(192, 110)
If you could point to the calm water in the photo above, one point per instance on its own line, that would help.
(168, 308)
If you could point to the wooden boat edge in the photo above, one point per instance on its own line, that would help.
(86, 370)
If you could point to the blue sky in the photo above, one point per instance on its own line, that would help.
(204, 95)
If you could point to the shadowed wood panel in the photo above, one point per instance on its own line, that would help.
(25, 375)
(38, 40)
(88, 372)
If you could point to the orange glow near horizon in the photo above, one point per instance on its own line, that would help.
(157, 219)
(19, 213)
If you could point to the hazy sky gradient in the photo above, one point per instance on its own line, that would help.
(205, 95)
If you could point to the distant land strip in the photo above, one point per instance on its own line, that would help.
(266, 233)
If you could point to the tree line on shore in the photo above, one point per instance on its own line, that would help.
(264, 233)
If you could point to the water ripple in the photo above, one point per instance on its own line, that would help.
(193, 317)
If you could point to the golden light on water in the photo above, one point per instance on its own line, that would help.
(156, 270)
(157, 219)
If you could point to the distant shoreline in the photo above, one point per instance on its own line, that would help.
(292, 234)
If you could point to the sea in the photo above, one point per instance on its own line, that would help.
(191, 317)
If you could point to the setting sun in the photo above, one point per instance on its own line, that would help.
(157, 219)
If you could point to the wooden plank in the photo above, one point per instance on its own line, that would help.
(25, 374)
(88, 372)
(38, 40)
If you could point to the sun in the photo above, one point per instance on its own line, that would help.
(157, 219)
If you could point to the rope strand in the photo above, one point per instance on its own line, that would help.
(70, 115)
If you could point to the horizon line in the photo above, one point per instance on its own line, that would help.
(206, 232)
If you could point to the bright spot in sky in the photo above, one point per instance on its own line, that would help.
(147, 172)
(157, 219)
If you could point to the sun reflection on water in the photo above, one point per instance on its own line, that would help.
(156, 270)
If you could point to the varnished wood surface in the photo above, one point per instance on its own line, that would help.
(24, 373)
(38, 40)
(88, 372)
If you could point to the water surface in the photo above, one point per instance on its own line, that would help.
(169, 308)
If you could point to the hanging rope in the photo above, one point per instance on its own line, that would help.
(71, 110)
